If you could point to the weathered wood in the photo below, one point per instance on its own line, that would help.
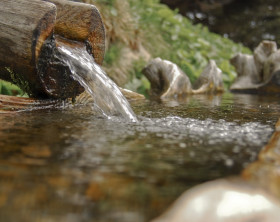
(24, 27)
(81, 22)
(12, 104)
(30, 32)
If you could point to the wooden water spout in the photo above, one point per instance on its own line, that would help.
(30, 32)
(83, 23)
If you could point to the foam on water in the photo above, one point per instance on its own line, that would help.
(64, 159)
(174, 140)
(214, 131)
(108, 99)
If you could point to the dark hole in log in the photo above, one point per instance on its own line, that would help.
(54, 72)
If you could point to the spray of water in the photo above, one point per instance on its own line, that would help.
(108, 99)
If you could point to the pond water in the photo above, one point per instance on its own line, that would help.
(70, 165)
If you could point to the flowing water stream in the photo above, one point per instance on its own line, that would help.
(108, 99)
(70, 165)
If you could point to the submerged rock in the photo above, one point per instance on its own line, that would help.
(223, 201)
(260, 72)
(169, 81)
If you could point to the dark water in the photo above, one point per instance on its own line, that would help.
(69, 165)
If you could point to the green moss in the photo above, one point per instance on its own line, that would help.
(19, 87)
(189, 46)
(165, 33)
(138, 82)
(7, 88)
(112, 54)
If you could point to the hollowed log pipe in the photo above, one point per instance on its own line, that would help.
(28, 43)
(81, 22)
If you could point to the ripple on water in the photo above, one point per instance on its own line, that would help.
(171, 140)
(60, 160)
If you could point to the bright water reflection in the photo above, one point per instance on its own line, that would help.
(68, 165)
(223, 201)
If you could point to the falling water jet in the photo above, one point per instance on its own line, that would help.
(108, 99)
(34, 57)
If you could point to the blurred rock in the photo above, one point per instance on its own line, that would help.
(265, 175)
(266, 171)
(210, 80)
(261, 54)
(130, 95)
(271, 66)
(223, 201)
(246, 70)
(169, 81)
(260, 72)
(271, 152)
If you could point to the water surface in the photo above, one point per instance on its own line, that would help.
(70, 165)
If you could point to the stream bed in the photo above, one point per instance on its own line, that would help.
(69, 165)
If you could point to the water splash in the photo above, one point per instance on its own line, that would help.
(108, 99)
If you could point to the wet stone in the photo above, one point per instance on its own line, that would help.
(210, 80)
(225, 201)
(260, 72)
(169, 81)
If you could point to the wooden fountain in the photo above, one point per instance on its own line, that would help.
(30, 31)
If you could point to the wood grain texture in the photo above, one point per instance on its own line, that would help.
(81, 22)
(24, 27)
(13, 104)
(30, 32)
